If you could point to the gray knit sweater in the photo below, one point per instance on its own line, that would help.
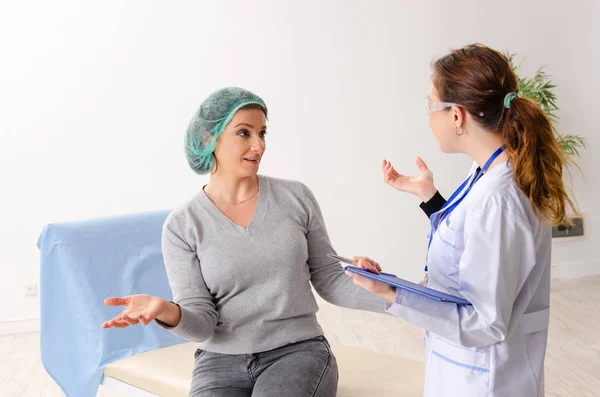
(248, 290)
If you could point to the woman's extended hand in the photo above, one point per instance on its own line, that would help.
(139, 309)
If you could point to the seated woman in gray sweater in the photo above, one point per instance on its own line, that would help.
(241, 257)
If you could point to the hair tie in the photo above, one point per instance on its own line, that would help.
(509, 97)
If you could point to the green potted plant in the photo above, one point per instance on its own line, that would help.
(540, 89)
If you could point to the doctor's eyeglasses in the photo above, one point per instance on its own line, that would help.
(434, 106)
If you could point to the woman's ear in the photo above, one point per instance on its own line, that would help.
(458, 116)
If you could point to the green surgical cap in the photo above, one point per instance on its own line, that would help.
(210, 120)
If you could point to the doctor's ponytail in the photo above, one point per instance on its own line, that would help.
(482, 81)
(538, 160)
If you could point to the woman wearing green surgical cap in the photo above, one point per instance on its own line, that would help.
(241, 257)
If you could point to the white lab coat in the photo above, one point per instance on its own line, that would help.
(493, 251)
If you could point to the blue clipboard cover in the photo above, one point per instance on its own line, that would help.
(394, 281)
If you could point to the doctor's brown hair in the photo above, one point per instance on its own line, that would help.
(478, 78)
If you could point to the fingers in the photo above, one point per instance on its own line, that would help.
(120, 324)
(377, 266)
(367, 264)
(117, 301)
(422, 282)
(388, 173)
(117, 322)
(386, 166)
(365, 258)
(131, 319)
(138, 318)
(371, 261)
(421, 164)
(126, 319)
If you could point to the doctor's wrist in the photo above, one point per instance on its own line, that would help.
(427, 194)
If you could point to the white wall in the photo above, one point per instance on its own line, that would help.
(95, 97)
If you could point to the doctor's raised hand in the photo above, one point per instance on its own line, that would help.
(421, 185)
(142, 309)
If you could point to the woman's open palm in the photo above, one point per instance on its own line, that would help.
(140, 308)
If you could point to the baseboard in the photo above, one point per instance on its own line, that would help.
(19, 326)
(576, 269)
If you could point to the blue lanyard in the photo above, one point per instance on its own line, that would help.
(448, 208)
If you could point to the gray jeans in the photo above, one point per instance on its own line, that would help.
(302, 369)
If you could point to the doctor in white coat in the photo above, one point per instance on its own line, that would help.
(490, 243)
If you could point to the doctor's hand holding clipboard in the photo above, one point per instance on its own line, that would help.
(368, 275)
(378, 288)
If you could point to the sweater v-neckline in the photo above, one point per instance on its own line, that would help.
(228, 223)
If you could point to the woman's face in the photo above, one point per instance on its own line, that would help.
(242, 145)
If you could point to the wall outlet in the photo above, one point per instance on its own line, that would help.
(31, 289)
(576, 229)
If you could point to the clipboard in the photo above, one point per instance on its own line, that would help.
(394, 281)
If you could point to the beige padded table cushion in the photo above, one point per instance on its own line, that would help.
(167, 372)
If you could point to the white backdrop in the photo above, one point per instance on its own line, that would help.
(95, 98)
